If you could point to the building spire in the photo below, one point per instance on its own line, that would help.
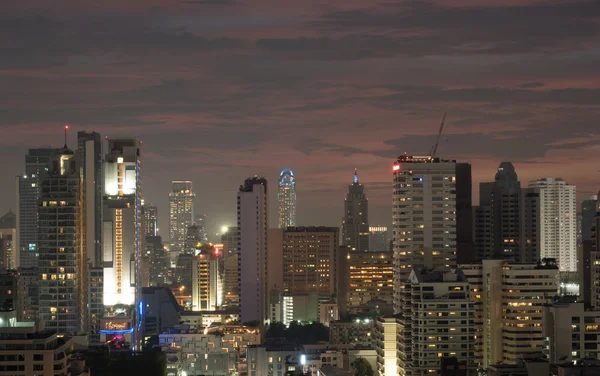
(66, 128)
(355, 176)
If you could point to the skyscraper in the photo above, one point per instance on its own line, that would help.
(252, 227)
(150, 220)
(287, 198)
(36, 162)
(200, 222)
(181, 213)
(431, 215)
(588, 219)
(558, 222)
(507, 219)
(122, 222)
(355, 224)
(378, 239)
(62, 244)
(207, 282)
(9, 256)
(94, 165)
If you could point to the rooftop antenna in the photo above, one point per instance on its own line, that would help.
(66, 129)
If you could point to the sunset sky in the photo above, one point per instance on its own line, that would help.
(219, 90)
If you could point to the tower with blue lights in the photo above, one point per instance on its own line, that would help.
(286, 197)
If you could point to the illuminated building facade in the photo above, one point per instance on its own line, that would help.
(371, 276)
(431, 215)
(508, 301)
(355, 224)
(122, 222)
(558, 222)
(310, 257)
(388, 343)
(207, 281)
(252, 228)
(286, 197)
(62, 261)
(150, 219)
(438, 320)
(181, 213)
(230, 241)
(9, 256)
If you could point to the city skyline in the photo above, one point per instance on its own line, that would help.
(278, 87)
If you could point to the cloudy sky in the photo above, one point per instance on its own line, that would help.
(219, 90)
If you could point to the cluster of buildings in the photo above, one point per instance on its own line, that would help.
(456, 289)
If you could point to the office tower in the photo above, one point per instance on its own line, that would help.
(588, 217)
(159, 261)
(183, 274)
(286, 196)
(9, 255)
(91, 143)
(431, 215)
(378, 239)
(507, 219)
(371, 276)
(122, 222)
(193, 240)
(150, 220)
(230, 240)
(181, 213)
(252, 228)
(355, 224)
(36, 162)
(207, 283)
(275, 285)
(310, 260)
(508, 300)
(62, 234)
(200, 222)
(438, 319)
(595, 260)
(558, 222)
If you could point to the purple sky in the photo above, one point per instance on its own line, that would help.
(219, 90)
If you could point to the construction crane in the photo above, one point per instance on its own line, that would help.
(435, 146)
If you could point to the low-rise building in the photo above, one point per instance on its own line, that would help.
(389, 346)
(358, 332)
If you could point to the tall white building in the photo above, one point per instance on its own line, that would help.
(252, 228)
(122, 223)
(558, 222)
(287, 198)
(181, 213)
(508, 301)
(431, 215)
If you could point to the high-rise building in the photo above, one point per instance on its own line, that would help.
(310, 257)
(28, 296)
(230, 241)
(181, 213)
(207, 282)
(200, 222)
(558, 222)
(595, 260)
(122, 222)
(388, 343)
(96, 301)
(8, 290)
(355, 224)
(9, 255)
(150, 220)
(159, 261)
(28, 191)
(507, 219)
(91, 143)
(252, 228)
(286, 196)
(193, 240)
(508, 300)
(588, 218)
(431, 215)
(371, 276)
(62, 247)
(438, 320)
(378, 239)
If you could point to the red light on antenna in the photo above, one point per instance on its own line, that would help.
(396, 167)
(66, 126)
